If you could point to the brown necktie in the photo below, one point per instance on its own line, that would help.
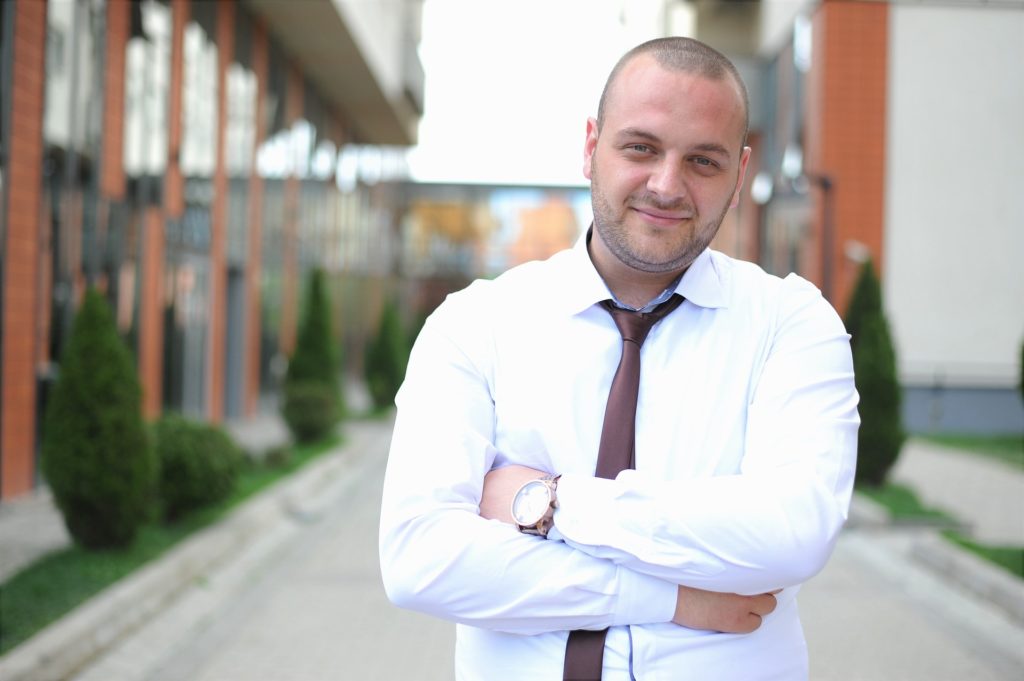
(584, 651)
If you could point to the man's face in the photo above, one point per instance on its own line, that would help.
(666, 166)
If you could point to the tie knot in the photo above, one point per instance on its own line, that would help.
(634, 326)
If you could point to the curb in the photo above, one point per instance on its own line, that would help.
(94, 627)
(948, 561)
(866, 512)
(972, 573)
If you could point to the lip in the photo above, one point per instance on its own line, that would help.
(660, 218)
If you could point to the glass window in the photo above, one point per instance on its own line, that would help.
(186, 311)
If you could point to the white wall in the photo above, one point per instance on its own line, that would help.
(954, 216)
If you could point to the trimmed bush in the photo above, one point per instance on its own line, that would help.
(315, 362)
(386, 358)
(311, 410)
(96, 454)
(199, 464)
(865, 301)
(881, 434)
(316, 358)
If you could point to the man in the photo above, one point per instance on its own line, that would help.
(742, 462)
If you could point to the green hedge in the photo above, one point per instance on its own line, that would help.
(96, 454)
(881, 433)
(387, 356)
(313, 402)
(199, 464)
(311, 410)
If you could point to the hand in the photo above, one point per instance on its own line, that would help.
(500, 485)
(730, 613)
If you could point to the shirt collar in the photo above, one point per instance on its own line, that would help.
(704, 284)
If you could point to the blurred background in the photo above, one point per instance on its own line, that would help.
(195, 161)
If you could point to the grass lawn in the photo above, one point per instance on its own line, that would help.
(1006, 448)
(1010, 558)
(903, 504)
(55, 584)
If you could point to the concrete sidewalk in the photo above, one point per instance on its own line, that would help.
(300, 600)
(31, 526)
(986, 494)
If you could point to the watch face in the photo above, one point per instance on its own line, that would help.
(531, 503)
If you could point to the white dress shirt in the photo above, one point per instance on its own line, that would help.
(745, 453)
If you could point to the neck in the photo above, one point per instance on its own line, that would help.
(629, 285)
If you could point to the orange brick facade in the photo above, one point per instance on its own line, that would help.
(112, 183)
(846, 132)
(21, 255)
(218, 236)
(31, 255)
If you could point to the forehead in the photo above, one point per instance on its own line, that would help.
(646, 95)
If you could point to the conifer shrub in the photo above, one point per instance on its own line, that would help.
(199, 464)
(865, 301)
(313, 404)
(310, 410)
(96, 453)
(881, 434)
(1020, 384)
(386, 358)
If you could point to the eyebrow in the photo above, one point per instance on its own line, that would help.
(634, 133)
(712, 148)
(627, 133)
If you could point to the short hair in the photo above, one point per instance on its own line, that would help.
(677, 53)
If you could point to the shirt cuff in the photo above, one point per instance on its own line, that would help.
(644, 599)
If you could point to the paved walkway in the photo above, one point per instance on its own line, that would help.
(29, 528)
(985, 493)
(319, 612)
(306, 603)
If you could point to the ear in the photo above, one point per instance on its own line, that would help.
(744, 159)
(589, 146)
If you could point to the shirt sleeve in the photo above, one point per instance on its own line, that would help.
(774, 523)
(438, 556)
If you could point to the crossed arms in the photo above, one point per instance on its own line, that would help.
(695, 608)
(446, 551)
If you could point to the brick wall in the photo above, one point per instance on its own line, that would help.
(112, 180)
(151, 306)
(846, 129)
(21, 300)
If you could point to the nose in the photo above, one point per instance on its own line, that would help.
(667, 181)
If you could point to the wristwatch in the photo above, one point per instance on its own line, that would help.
(534, 504)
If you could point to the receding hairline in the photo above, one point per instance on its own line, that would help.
(686, 55)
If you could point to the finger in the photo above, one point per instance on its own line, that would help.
(751, 623)
(764, 604)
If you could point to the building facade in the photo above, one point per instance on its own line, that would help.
(188, 159)
(888, 130)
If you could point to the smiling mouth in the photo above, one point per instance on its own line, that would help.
(661, 217)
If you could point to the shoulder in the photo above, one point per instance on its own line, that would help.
(785, 300)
